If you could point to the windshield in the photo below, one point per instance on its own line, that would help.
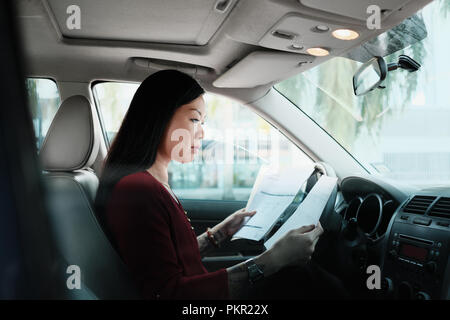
(402, 131)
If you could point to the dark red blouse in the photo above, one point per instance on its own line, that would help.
(156, 241)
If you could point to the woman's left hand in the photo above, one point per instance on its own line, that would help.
(233, 222)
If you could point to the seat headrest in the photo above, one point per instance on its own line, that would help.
(71, 142)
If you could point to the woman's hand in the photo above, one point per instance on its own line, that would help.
(295, 247)
(233, 222)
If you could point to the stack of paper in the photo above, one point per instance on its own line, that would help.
(309, 211)
(272, 193)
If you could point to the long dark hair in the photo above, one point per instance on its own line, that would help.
(136, 144)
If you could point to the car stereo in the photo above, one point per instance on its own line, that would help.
(416, 263)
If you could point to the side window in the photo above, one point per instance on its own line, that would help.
(113, 100)
(44, 101)
(236, 143)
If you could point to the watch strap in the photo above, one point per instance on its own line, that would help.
(255, 272)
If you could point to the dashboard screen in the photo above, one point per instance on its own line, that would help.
(410, 251)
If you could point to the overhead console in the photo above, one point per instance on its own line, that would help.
(314, 22)
(296, 33)
(315, 28)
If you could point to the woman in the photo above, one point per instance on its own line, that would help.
(144, 219)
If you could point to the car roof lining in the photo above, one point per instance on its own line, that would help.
(142, 21)
(52, 53)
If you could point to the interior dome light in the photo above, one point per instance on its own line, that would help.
(345, 34)
(318, 52)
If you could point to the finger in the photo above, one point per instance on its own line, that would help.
(319, 225)
(240, 211)
(305, 229)
(316, 233)
(248, 213)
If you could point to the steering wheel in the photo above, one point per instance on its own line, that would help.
(342, 249)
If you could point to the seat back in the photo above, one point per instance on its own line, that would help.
(69, 149)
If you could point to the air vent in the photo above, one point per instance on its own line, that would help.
(441, 208)
(418, 204)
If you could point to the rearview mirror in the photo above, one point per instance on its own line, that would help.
(369, 76)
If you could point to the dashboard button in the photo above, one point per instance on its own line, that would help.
(404, 217)
(422, 221)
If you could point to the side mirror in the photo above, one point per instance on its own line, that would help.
(369, 76)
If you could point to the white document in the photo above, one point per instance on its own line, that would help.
(272, 193)
(309, 211)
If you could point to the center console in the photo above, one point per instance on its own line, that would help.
(416, 263)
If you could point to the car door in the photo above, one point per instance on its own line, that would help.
(207, 213)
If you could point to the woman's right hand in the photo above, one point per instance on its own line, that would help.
(295, 247)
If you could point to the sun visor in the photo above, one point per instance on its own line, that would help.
(260, 68)
(156, 21)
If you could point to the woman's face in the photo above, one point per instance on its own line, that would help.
(183, 135)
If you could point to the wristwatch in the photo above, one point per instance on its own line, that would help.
(255, 273)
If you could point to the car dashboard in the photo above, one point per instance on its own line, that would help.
(402, 230)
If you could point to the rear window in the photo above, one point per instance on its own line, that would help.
(44, 101)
